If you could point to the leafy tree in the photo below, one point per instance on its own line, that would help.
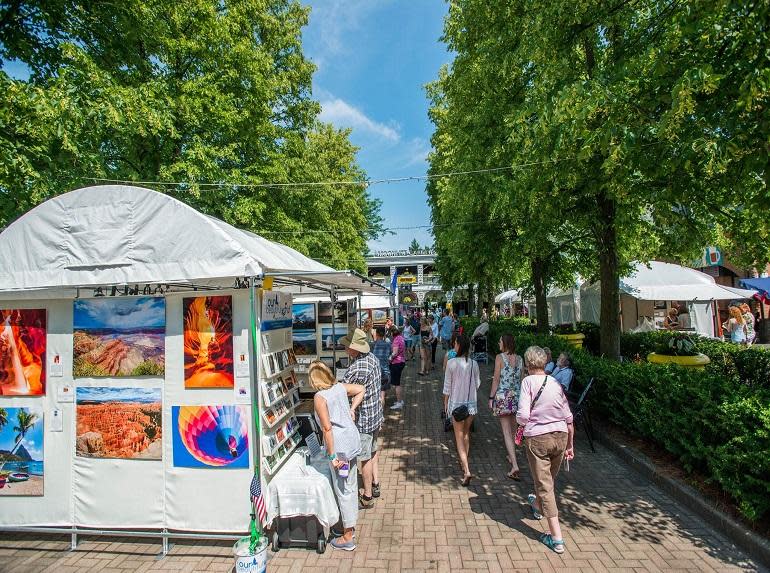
(632, 132)
(414, 246)
(193, 91)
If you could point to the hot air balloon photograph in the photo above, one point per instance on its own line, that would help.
(22, 352)
(208, 342)
(210, 436)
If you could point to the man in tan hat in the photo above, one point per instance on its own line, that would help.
(364, 369)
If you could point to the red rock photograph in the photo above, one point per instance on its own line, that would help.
(119, 423)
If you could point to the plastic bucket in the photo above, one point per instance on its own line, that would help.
(247, 561)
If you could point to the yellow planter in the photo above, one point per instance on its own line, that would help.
(698, 361)
(575, 340)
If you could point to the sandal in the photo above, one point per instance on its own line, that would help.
(514, 475)
(532, 499)
(555, 545)
(466, 481)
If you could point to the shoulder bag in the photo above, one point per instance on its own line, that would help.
(461, 412)
(520, 430)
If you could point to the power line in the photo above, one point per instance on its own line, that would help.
(364, 183)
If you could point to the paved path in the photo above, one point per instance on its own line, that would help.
(613, 519)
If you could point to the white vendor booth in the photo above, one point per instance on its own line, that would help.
(662, 283)
(148, 426)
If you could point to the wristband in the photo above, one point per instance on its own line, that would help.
(331, 457)
(491, 397)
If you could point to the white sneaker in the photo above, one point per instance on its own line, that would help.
(397, 406)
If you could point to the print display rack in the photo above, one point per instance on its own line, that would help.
(278, 384)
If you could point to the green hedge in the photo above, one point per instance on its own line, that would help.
(713, 422)
(751, 365)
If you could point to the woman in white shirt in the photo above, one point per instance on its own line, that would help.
(461, 383)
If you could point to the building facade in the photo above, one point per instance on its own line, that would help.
(415, 270)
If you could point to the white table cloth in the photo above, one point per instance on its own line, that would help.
(300, 489)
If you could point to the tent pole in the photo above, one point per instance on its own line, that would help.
(334, 331)
(256, 395)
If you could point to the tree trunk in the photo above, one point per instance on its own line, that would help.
(471, 306)
(541, 301)
(609, 324)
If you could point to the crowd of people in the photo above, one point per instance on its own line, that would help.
(528, 396)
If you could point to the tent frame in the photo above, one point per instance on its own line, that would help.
(295, 278)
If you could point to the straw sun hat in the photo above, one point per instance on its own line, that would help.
(356, 341)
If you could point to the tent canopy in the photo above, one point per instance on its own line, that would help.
(667, 281)
(514, 294)
(761, 285)
(119, 234)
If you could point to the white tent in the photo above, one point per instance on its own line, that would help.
(658, 281)
(108, 236)
(509, 296)
(117, 234)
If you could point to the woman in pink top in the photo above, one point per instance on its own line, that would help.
(397, 363)
(547, 420)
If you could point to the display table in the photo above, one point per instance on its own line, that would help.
(299, 489)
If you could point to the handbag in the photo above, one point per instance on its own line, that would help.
(520, 430)
(461, 412)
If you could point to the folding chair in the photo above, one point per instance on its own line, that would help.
(479, 351)
(580, 414)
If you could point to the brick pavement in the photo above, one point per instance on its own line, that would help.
(613, 519)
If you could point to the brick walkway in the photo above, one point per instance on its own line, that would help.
(613, 520)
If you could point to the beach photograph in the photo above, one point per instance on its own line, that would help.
(119, 423)
(119, 337)
(21, 451)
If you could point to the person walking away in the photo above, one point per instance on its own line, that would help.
(343, 443)
(451, 353)
(424, 347)
(433, 341)
(563, 373)
(548, 431)
(446, 327)
(461, 383)
(409, 339)
(364, 369)
(397, 364)
(736, 326)
(381, 349)
(748, 318)
(504, 396)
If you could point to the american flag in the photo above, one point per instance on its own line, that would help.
(257, 500)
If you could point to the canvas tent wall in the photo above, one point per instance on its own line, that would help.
(661, 281)
(103, 236)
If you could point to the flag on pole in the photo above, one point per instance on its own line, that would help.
(394, 281)
(257, 500)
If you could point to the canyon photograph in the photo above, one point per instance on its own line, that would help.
(119, 337)
(119, 423)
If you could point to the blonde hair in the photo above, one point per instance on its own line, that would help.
(535, 357)
(320, 376)
(745, 308)
(735, 313)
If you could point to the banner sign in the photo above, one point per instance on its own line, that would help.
(276, 310)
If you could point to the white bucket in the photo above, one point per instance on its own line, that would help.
(247, 561)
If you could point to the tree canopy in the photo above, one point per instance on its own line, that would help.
(197, 91)
(626, 131)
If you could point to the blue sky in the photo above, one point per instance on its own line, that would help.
(120, 313)
(374, 58)
(33, 441)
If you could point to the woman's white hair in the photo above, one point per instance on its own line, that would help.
(535, 357)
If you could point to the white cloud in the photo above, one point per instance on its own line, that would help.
(342, 114)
